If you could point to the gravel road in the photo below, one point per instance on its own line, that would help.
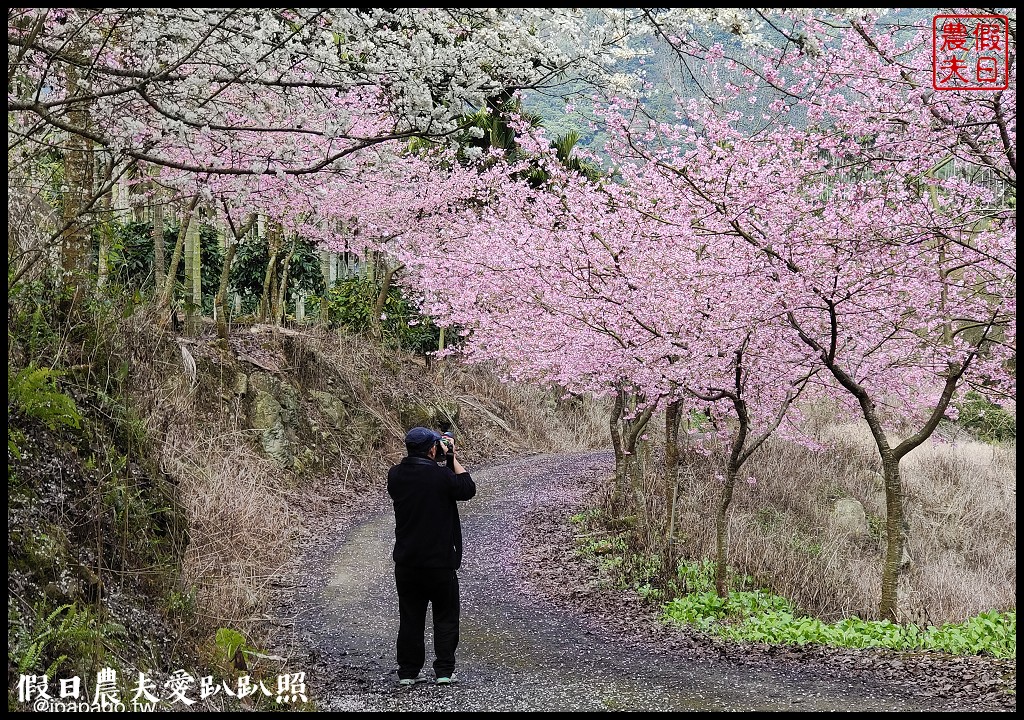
(538, 636)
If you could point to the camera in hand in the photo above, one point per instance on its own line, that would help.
(445, 446)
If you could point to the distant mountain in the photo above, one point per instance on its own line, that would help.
(669, 78)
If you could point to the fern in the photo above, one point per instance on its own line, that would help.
(32, 392)
(65, 634)
(29, 657)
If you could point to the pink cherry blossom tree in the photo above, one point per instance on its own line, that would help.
(899, 278)
(818, 165)
(595, 289)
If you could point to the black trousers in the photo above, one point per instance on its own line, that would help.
(418, 587)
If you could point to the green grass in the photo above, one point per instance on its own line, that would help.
(760, 616)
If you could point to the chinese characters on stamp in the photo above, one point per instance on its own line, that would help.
(970, 52)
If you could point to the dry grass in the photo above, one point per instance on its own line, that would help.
(241, 526)
(961, 521)
(240, 523)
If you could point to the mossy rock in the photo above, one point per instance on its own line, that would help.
(442, 415)
(361, 431)
(333, 408)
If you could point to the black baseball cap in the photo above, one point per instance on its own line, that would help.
(421, 439)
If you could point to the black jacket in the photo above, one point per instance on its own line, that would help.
(428, 532)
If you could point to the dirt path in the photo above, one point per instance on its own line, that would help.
(524, 648)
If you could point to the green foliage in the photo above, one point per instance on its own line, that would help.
(991, 632)
(488, 129)
(34, 327)
(131, 254)
(230, 642)
(760, 616)
(696, 577)
(597, 546)
(141, 515)
(211, 260)
(351, 303)
(65, 636)
(182, 605)
(749, 613)
(250, 268)
(32, 392)
(565, 151)
(610, 552)
(985, 420)
(643, 569)
(132, 263)
(586, 518)
(699, 421)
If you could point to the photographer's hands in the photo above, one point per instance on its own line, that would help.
(449, 444)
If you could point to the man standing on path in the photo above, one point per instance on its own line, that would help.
(428, 551)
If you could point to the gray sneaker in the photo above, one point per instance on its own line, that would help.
(421, 678)
(446, 680)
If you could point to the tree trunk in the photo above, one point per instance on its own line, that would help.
(280, 298)
(892, 562)
(220, 309)
(722, 531)
(106, 229)
(192, 269)
(266, 296)
(220, 300)
(172, 270)
(75, 245)
(673, 414)
(326, 269)
(888, 607)
(376, 329)
(159, 261)
(737, 456)
(197, 269)
(625, 433)
(613, 427)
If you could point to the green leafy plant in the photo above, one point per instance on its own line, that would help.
(66, 635)
(642, 571)
(760, 616)
(230, 642)
(182, 605)
(32, 392)
(132, 263)
(993, 632)
(351, 303)
(986, 420)
(131, 253)
(697, 577)
(699, 421)
(250, 267)
(236, 650)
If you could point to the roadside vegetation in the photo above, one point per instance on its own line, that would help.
(806, 532)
